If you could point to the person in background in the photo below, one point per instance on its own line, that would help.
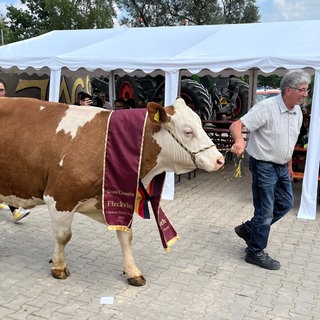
(84, 99)
(77, 102)
(105, 100)
(274, 126)
(130, 104)
(17, 213)
(142, 103)
(119, 104)
(97, 102)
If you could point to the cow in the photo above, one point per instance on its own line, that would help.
(52, 153)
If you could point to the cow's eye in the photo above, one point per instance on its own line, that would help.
(188, 132)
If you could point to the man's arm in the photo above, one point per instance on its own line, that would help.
(239, 145)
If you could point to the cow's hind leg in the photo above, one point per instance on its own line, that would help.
(61, 222)
(134, 275)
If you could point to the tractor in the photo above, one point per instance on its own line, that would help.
(210, 97)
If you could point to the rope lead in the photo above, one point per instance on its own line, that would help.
(237, 164)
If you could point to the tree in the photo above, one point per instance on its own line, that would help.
(240, 11)
(41, 16)
(149, 13)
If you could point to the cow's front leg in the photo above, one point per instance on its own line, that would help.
(61, 222)
(134, 275)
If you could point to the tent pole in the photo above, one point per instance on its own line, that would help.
(171, 87)
(308, 204)
(170, 95)
(112, 88)
(54, 87)
(253, 80)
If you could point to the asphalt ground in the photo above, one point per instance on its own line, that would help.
(204, 276)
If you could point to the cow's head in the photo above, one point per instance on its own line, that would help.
(181, 142)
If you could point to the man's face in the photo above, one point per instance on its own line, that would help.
(102, 96)
(2, 90)
(298, 94)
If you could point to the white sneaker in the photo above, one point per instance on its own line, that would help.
(4, 206)
(19, 214)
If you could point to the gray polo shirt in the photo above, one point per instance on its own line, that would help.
(274, 130)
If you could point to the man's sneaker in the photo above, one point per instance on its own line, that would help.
(242, 232)
(19, 214)
(263, 260)
(4, 206)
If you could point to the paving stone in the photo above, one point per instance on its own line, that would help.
(203, 277)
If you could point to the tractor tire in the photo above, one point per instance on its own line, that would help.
(130, 87)
(242, 105)
(197, 97)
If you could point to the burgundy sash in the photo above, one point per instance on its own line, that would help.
(121, 176)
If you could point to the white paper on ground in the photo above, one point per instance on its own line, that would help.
(106, 300)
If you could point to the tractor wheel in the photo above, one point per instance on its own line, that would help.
(242, 103)
(197, 98)
(129, 87)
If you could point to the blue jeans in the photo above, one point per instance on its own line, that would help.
(272, 199)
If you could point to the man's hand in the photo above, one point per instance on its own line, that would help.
(290, 170)
(236, 130)
(238, 148)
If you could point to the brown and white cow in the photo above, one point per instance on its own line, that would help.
(52, 153)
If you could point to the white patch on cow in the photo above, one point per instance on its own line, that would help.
(89, 209)
(19, 202)
(42, 108)
(61, 219)
(76, 117)
(61, 161)
(179, 104)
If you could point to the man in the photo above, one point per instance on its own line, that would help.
(105, 100)
(274, 126)
(119, 104)
(17, 213)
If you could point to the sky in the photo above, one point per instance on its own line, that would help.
(270, 10)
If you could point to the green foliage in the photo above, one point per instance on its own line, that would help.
(150, 13)
(272, 81)
(41, 16)
(240, 11)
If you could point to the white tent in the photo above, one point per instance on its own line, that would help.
(245, 48)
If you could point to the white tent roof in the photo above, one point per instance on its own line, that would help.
(252, 48)
(266, 46)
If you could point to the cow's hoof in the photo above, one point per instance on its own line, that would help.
(137, 281)
(60, 273)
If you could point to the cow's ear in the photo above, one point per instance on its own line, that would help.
(157, 113)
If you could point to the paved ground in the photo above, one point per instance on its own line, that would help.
(204, 276)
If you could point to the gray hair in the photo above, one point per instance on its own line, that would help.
(293, 78)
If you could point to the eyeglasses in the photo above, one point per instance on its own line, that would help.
(2, 90)
(301, 90)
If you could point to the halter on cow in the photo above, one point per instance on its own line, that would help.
(58, 160)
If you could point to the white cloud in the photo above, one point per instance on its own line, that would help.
(288, 10)
(6, 3)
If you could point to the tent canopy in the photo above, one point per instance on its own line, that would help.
(246, 48)
(266, 46)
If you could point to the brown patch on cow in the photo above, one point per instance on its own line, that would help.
(30, 158)
(170, 110)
